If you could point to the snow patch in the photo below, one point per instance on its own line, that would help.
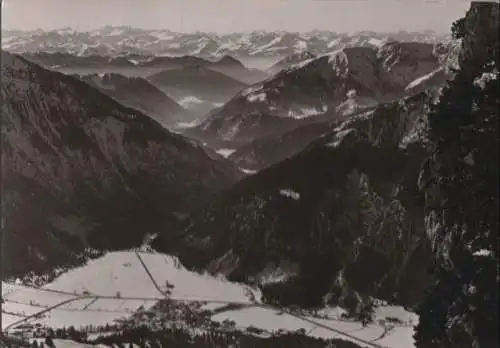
(248, 171)
(225, 152)
(161, 35)
(300, 46)
(307, 112)
(273, 276)
(116, 32)
(333, 43)
(482, 80)
(301, 64)
(290, 194)
(339, 136)
(483, 253)
(184, 125)
(396, 313)
(257, 97)
(351, 94)
(423, 79)
(190, 101)
(251, 90)
(376, 42)
(268, 45)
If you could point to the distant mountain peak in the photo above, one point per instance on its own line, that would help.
(120, 40)
(229, 60)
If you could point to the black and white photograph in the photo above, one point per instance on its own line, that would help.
(249, 174)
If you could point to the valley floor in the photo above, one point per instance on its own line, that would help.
(120, 283)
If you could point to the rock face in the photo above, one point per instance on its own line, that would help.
(460, 182)
(342, 215)
(336, 84)
(80, 169)
(478, 65)
(141, 95)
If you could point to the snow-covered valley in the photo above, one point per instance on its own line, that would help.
(121, 283)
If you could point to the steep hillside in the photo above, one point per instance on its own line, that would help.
(342, 215)
(279, 144)
(197, 88)
(232, 67)
(340, 82)
(289, 61)
(199, 81)
(80, 169)
(141, 95)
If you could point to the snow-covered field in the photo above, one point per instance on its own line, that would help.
(122, 280)
(119, 283)
(274, 320)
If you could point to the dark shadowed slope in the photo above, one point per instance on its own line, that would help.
(140, 94)
(460, 182)
(265, 151)
(197, 88)
(80, 169)
(343, 215)
(232, 67)
(199, 81)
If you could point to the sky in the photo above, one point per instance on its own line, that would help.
(223, 16)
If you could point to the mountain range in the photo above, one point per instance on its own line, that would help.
(148, 175)
(142, 65)
(118, 41)
(326, 87)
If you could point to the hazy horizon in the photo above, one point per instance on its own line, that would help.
(229, 16)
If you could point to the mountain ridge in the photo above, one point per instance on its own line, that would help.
(330, 86)
(140, 94)
(116, 41)
(70, 152)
